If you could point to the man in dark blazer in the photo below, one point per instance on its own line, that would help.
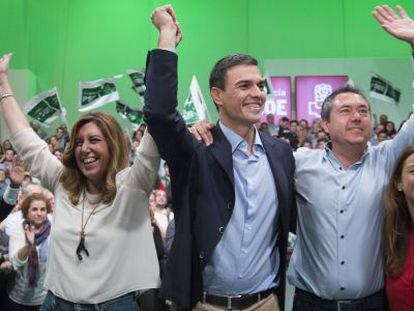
(233, 200)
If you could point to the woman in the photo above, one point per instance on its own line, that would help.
(54, 143)
(390, 128)
(399, 233)
(28, 244)
(101, 246)
(138, 136)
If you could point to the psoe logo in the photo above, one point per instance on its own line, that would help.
(320, 92)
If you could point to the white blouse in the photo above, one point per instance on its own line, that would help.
(118, 236)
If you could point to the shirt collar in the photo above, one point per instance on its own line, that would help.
(236, 140)
(329, 155)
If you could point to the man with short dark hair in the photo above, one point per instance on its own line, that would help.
(233, 199)
(338, 260)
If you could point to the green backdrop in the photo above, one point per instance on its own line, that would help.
(63, 42)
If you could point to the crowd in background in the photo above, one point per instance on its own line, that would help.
(15, 286)
(302, 134)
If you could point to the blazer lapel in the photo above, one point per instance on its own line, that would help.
(221, 150)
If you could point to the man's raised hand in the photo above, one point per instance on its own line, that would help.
(399, 25)
(164, 19)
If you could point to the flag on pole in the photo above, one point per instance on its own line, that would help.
(45, 107)
(133, 115)
(95, 94)
(195, 107)
(189, 112)
(137, 78)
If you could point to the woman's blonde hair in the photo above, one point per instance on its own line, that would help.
(72, 179)
(397, 222)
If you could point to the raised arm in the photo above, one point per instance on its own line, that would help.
(165, 124)
(398, 24)
(12, 113)
(165, 21)
(9, 198)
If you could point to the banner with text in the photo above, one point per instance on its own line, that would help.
(278, 100)
(311, 91)
(95, 94)
(45, 107)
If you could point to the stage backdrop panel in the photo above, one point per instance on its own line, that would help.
(396, 71)
(311, 91)
(279, 103)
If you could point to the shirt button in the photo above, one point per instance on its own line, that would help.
(244, 251)
(229, 205)
(343, 187)
(342, 236)
(249, 228)
(341, 211)
(342, 262)
(221, 230)
(201, 255)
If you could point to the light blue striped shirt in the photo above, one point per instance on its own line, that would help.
(247, 260)
(339, 251)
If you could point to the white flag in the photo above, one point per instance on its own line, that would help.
(195, 107)
(137, 78)
(94, 94)
(45, 107)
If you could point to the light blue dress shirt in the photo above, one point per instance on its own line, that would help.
(339, 250)
(247, 259)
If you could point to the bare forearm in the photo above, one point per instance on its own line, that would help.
(12, 113)
(23, 253)
(166, 38)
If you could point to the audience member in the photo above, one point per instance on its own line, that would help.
(390, 128)
(273, 128)
(28, 245)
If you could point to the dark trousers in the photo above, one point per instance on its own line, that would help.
(149, 301)
(304, 301)
(13, 306)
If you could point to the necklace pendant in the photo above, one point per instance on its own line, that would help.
(81, 246)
